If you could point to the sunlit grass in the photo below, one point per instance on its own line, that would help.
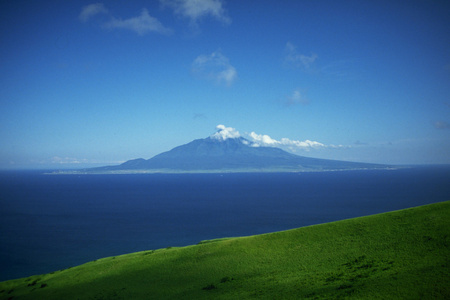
(398, 255)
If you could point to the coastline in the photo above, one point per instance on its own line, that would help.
(214, 171)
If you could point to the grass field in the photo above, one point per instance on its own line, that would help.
(398, 255)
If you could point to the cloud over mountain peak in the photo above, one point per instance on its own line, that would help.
(224, 133)
(254, 139)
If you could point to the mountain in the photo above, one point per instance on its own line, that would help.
(236, 154)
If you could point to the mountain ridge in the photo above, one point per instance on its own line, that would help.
(229, 154)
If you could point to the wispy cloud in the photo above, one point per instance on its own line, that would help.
(199, 116)
(359, 143)
(91, 10)
(442, 125)
(65, 160)
(197, 9)
(342, 69)
(295, 98)
(142, 24)
(298, 60)
(68, 160)
(215, 66)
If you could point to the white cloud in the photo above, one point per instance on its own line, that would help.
(142, 24)
(216, 67)
(298, 60)
(296, 98)
(301, 144)
(224, 133)
(254, 139)
(227, 75)
(91, 10)
(196, 9)
(285, 143)
(262, 139)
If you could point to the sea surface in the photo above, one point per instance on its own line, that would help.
(52, 222)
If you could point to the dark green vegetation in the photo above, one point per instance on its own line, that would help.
(397, 255)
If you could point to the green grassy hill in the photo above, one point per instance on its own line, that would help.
(398, 255)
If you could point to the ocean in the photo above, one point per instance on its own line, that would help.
(52, 222)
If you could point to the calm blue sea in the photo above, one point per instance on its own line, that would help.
(51, 222)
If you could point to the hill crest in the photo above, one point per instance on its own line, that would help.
(396, 255)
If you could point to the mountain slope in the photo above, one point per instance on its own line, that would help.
(231, 154)
(396, 255)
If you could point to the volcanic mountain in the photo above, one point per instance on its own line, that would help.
(228, 154)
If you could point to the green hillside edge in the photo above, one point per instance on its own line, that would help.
(396, 255)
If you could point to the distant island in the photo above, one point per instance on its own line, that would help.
(219, 153)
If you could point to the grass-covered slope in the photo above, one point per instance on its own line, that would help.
(398, 255)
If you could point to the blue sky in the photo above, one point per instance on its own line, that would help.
(102, 82)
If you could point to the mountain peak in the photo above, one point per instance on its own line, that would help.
(223, 133)
(227, 151)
